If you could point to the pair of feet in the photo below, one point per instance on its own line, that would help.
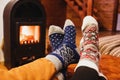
(64, 47)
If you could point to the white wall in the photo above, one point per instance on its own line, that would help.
(2, 6)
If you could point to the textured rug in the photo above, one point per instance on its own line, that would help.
(110, 45)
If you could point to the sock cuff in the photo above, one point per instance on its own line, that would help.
(87, 63)
(55, 60)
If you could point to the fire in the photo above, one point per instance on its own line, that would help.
(29, 34)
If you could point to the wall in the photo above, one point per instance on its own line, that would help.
(119, 7)
(118, 18)
(74, 17)
(55, 12)
(2, 6)
(105, 12)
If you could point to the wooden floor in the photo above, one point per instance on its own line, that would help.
(79, 36)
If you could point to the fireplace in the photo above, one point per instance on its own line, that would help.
(24, 32)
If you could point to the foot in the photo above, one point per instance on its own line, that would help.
(89, 42)
(56, 35)
(89, 55)
(66, 53)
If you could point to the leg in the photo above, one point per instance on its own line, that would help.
(41, 69)
(88, 65)
(85, 73)
(56, 35)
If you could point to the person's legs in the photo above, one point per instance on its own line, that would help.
(85, 73)
(56, 35)
(40, 69)
(88, 65)
(68, 46)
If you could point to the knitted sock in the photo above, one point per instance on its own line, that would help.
(66, 53)
(89, 44)
(56, 35)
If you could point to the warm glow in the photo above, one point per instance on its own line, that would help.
(29, 34)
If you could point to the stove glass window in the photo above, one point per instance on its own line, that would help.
(29, 34)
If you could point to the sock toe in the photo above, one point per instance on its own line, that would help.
(68, 22)
(88, 20)
(70, 33)
(66, 53)
(56, 35)
(55, 29)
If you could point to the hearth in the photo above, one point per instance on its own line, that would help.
(24, 32)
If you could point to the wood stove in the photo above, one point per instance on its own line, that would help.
(24, 32)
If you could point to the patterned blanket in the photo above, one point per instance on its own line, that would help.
(110, 45)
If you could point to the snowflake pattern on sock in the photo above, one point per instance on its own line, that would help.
(66, 55)
(70, 36)
(66, 52)
(56, 40)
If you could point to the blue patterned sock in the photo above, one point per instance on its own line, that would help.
(66, 53)
(56, 35)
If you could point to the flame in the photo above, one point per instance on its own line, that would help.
(29, 34)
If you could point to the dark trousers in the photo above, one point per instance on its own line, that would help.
(86, 73)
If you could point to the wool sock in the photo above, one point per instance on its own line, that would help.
(89, 41)
(89, 45)
(66, 52)
(56, 35)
